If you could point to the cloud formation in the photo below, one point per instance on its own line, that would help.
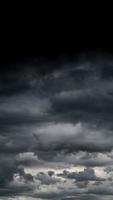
(56, 131)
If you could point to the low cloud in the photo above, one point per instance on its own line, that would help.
(87, 175)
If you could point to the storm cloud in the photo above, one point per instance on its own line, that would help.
(56, 130)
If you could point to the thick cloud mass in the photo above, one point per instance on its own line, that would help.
(56, 131)
(86, 175)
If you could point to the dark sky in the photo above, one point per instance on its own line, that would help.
(56, 130)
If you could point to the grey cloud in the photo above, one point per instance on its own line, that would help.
(14, 143)
(60, 115)
(84, 159)
(87, 175)
(50, 173)
(89, 101)
(47, 179)
(17, 191)
(104, 189)
(57, 137)
(58, 195)
(101, 191)
(28, 159)
(7, 168)
(81, 184)
(27, 177)
(109, 169)
(26, 105)
(23, 186)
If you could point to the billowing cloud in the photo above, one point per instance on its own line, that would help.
(85, 159)
(56, 130)
(46, 179)
(87, 175)
(67, 137)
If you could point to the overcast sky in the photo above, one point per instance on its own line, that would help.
(56, 129)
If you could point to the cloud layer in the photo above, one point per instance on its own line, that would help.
(56, 131)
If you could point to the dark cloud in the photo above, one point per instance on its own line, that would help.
(7, 169)
(27, 177)
(85, 159)
(28, 159)
(101, 191)
(81, 184)
(66, 137)
(47, 179)
(87, 175)
(50, 173)
(57, 114)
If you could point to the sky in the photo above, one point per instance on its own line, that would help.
(56, 130)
